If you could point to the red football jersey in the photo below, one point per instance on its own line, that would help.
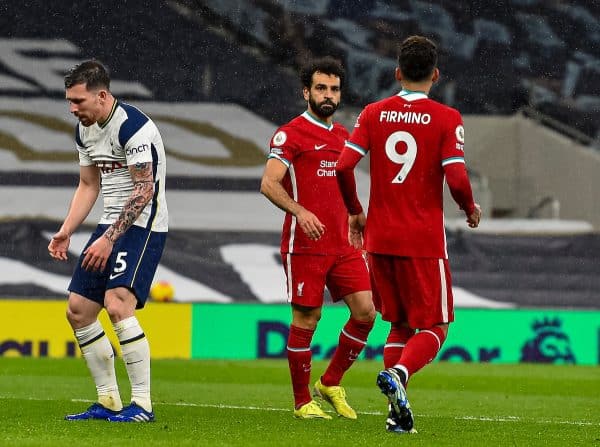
(310, 148)
(410, 139)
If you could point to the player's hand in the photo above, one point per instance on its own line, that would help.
(356, 226)
(97, 254)
(59, 245)
(474, 218)
(310, 224)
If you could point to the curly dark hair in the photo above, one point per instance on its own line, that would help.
(327, 65)
(417, 58)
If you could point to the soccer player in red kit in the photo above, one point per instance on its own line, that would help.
(414, 143)
(299, 178)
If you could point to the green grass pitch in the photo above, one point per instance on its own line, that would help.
(227, 403)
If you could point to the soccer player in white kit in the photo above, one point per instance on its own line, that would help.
(121, 153)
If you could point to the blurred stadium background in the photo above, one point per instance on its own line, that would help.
(218, 76)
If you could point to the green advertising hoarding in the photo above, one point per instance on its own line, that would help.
(251, 331)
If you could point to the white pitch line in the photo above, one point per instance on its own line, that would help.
(379, 413)
(369, 413)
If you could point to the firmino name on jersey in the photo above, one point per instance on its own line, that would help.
(394, 116)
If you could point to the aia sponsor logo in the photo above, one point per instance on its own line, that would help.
(106, 167)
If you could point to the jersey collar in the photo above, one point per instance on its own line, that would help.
(110, 115)
(411, 95)
(316, 121)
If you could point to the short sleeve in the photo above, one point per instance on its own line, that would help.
(281, 147)
(453, 139)
(84, 157)
(138, 148)
(360, 139)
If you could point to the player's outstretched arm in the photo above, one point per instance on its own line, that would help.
(82, 203)
(272, 189)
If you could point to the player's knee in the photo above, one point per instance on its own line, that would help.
(361, 306)
(77, 318)
(119, 304)
(307, 321)
(117, 310)
(72, 318)
(306, 317)
(366, 314)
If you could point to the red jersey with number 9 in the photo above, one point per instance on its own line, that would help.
(410, 139)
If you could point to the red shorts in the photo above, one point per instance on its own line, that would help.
(417, 291)
(307, 276)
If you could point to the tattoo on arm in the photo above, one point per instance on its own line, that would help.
(143, 188)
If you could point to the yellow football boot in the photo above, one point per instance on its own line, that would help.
(311, 410)
(336, 396)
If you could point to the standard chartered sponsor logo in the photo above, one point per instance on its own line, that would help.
(326, 168)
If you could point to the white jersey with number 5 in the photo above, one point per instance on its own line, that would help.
(127, 137)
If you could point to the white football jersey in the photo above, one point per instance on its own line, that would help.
(127, 137)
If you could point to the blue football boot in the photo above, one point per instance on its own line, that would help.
(132, 413)
(400, 417)
(96, 411)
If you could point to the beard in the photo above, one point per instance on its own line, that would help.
(324, 109)
(85, 120)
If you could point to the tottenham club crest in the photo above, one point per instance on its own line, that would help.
(279, 138)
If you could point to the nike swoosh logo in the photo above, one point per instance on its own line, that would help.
(133, 363)
(116, 275)
(319, 146)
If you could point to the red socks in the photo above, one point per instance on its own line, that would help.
(299, 360)
(421, 349)
(353, 339)
(394, 345)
